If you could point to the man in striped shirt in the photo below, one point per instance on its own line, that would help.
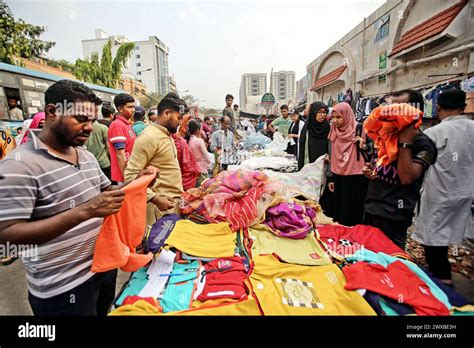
(54, 195)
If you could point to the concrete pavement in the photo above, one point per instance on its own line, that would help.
(14, 293)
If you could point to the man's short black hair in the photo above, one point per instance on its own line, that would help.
(151, 112)
(68, 91)
(236, 106)
(207, 118)
(172, 101)
(452, 99)
(229, 96)
(283, 107)
(107, 111)
(122, 99)
(139, 114)
(415, 98)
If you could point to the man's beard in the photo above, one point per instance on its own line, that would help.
(172, 130)
(65, 138)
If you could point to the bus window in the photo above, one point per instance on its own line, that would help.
(3, 105)
(14, 103)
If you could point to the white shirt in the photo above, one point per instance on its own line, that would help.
(16, 114)
(448, 187)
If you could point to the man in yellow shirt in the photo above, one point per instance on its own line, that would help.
(155, 147)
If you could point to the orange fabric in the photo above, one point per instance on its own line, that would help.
(385, 123)
(183, 127)
(122, 232)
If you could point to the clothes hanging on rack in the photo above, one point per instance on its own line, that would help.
(348, 96)
(330, 102)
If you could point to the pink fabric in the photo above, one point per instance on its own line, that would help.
(198, 148)
(37, 118)
(290, 220)
(187, 163)
(231, 196)
(344, 150)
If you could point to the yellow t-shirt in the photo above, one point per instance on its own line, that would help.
(286, 289)
(244, 307)
(306, 251)
(209, 240)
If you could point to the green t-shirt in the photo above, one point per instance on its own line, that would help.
(138, 127)
(97, 144)
(283, 125)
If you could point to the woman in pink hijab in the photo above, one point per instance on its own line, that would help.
(347, 182)
(37, 123)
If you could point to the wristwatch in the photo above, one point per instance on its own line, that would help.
(405, 145)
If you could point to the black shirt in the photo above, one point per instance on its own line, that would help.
(387, 197)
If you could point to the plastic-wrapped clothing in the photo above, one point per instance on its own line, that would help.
(384, 125)
(256, 141)
(307, 182)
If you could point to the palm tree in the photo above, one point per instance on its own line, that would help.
(109, 71)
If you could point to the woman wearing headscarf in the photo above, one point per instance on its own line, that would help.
(37, 123)
(294, 133)
(314, 135)
(347, 180)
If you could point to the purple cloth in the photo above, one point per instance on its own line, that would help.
(290, 220)
(160, 231)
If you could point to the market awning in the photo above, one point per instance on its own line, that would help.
(429, 28)
(329, 78)
(244, 114)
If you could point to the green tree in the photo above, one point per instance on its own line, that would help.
(20, 39)
(61, 63)
(189, 99)
(208, 111)
(106, 71)
(149, 101)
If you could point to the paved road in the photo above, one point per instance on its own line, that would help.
(14, 295)
(14, 292)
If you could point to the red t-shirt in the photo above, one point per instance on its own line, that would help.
(121, 136)
(397, 282)
(346, 241)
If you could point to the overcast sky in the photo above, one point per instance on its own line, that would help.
(212, 43)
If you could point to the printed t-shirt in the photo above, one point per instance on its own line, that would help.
(283, 125)
(385, 260)
(345, 241)
(121, 136)
(305, 251)
(224, 278)
(387, 197)
(397, 282)
(286, 289)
